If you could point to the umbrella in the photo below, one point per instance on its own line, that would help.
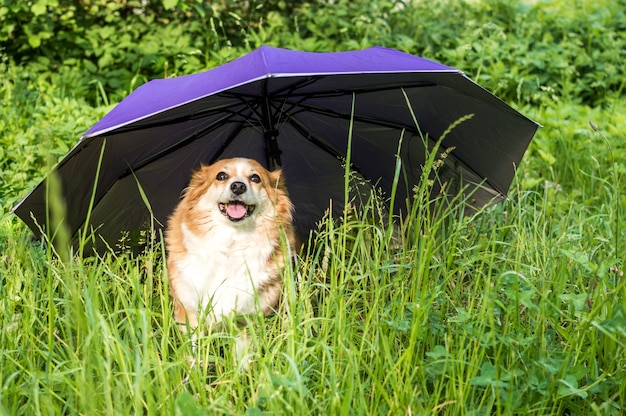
(289, 109)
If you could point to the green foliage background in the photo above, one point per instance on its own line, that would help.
(575, 49)
(517, 310)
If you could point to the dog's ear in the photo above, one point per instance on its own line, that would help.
(199, 176)
(200, 180)
(277, 181)
(278, 193)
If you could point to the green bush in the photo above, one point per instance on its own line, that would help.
(517, 50)
(40, 124)
(116, 46)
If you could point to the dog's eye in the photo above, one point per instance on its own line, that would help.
(255, 178)
(222, 176)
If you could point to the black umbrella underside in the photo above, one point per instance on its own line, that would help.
(301, 124)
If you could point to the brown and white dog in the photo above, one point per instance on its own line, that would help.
(227, 242)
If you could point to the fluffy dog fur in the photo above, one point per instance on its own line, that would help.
(225, 242)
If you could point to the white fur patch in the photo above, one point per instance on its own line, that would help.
(221, 270)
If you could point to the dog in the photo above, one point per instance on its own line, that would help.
(228, 242)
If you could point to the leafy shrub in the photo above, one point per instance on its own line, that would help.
(119, 45)
(519, 50)
(39, 127)
(524, 53)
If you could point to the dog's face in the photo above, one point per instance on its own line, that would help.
(236, 191)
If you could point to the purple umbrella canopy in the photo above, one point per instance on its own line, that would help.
(289, 109)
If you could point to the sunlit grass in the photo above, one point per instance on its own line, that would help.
(510, 310)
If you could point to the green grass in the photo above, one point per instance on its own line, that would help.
(490, 318)
(516, 309)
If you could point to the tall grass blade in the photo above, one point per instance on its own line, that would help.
(86, 232)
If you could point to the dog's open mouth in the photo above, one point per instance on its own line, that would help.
(236, 210)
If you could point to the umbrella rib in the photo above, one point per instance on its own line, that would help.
(356, 117)
(316, 140)
(361, 90)
(270, 134)
(291, 90)
(280, 92)
(173, 120)
(189, 139)
(226, 143)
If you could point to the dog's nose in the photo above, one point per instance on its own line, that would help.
(238, 188)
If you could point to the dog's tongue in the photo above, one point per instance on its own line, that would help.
(236, 210)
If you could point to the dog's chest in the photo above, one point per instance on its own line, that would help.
(225, 269)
